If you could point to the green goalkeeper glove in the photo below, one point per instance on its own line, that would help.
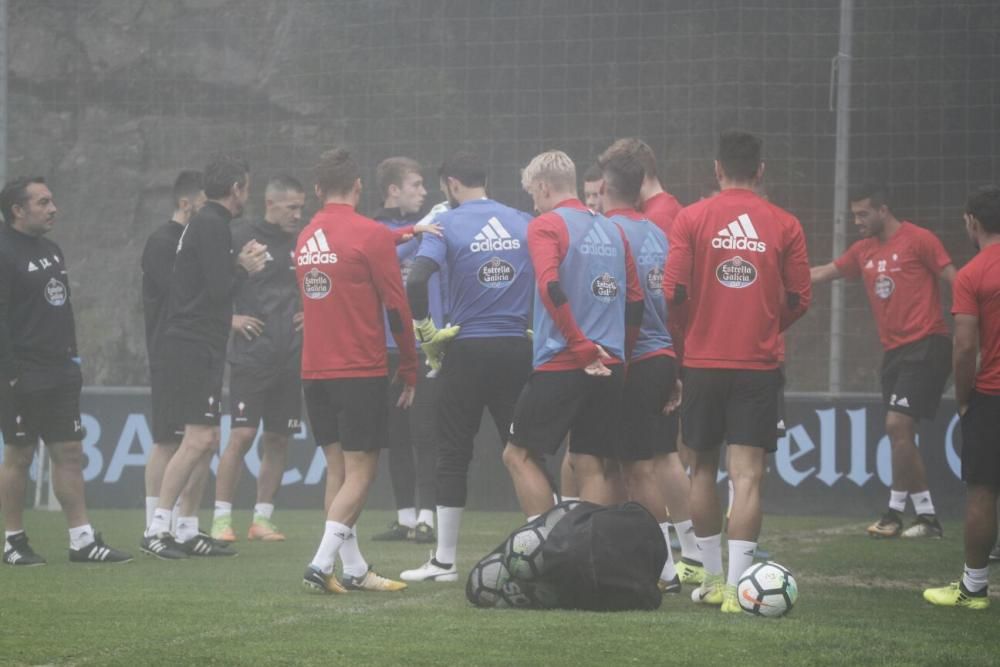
(433, 340)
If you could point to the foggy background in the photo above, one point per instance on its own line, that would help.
(110, 99)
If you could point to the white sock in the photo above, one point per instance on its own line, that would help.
(187, 528)
(449, 521)
(7, 534)
(897, 500)
(151, 503)
(222, 509)
(264, 509)
(354, 563)
(334, 535)
(407, 517)
(922, 502)
(732, 495)
(975, 580)
(426, 516)
(669, 572)
(567, 499)
(81, 536)
(740, 558)
(533, 517)
(173, 516)
(160, 522)
(685, 533)
(710, 553)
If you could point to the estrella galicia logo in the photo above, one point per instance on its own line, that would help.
(654, 280)
(884, 286)
(55, 292)
(605, 288)
(316, 284)
(736, 273)
(496, 273)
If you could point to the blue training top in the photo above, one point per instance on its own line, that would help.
(592, 276)
(484, 261)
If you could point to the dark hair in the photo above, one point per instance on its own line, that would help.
(188, 184)
(739, 154)
(222, 173)
(637, 149)
(15, 193)
(593, 173)
(392, 171)
(623, 177)
(984, 206)
(876, 192)
(337, 172)
(466, 168)
(285, 183)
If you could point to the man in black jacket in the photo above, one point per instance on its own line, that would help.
(157, 267)
(40, 377)
(192, 347)
(264, 362)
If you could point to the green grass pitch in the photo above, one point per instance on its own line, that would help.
(860, 603)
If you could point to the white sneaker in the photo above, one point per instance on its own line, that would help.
(430, 571)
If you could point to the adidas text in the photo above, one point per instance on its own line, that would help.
(494, 244)
(739, 244)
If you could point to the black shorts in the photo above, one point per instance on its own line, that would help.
(50, 414)
(275, 398)
(192, 381)
(645, 431)
(554, 403)
(914, 376)
(981, 440)
(349, 411)
(733, 406)
(415, 426)
(481, 373)
(164, 432)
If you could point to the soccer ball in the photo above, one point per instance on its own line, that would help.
(529, 595)
(523, 555)
(767, 589)
(486, 581)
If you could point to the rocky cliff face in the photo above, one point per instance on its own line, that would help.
(109, 99)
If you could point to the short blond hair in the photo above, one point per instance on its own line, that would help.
(554, 167)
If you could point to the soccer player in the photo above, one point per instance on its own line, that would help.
(660, 207)
(651, 394)
(264, 359)
(157, 267)
(484, 256)
(592, 179)
(588, 308)
(40, 377)
(976, 306)
(737, 275)
(411, 432)
(349, 275)
(192, 348)
(900, 265)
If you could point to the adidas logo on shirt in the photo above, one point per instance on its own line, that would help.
(316, 251)
(492, 237)
(739, 234)
(596, 242)
(652, 250)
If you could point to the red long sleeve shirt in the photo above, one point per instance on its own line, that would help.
(661, 209)
(548, 241)
(743, 264)
(348, 273)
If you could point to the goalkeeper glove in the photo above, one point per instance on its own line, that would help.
(433, 340)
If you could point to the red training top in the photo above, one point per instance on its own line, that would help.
(901, 278)
(661, 209)
(548, 242)
(743, 266)
(977, 292)
(348, 272)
